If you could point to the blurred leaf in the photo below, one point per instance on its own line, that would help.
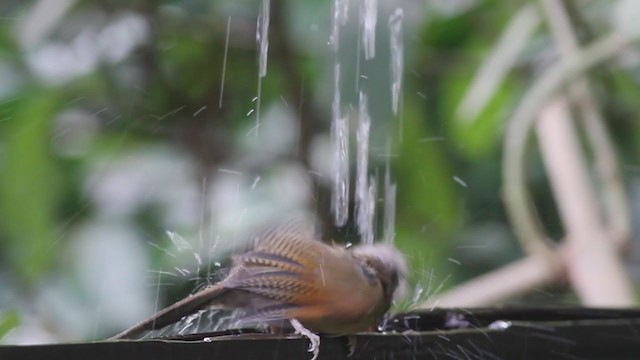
(28, 184)
(483, 135)
(444, 33)
(8, 321)
(185, 63)
(621, 107)
(487, 87)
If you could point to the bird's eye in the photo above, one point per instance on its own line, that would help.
(369, 273)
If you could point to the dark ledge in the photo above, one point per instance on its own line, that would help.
(510, 333)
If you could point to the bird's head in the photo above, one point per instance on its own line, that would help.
(389, 265)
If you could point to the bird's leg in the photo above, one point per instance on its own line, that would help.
(351, 343)
(314, 339)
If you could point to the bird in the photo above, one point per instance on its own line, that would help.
(289, 274)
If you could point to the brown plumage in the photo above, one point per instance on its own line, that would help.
(290, 275)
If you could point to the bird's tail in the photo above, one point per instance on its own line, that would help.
(175, 312)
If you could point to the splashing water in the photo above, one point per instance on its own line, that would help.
(224, 63)
(363, 217)
(368, 23)
(397, 57)
(340, 140)
(178, 241)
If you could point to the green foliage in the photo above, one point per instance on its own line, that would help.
(9, 320)
(430, 210)
(29, 184)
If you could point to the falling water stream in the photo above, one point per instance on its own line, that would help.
(366, 191)
(397, 57)
(340, 139)
(364, 208)
(369, 21)
(262, 38)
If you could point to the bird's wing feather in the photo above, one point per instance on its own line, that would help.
(277, 273)
(283, 266)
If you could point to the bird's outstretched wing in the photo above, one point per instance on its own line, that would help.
(281, 271)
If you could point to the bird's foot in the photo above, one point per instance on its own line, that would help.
(314, 339)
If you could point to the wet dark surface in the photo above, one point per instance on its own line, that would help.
(509, 333)
(439, 319)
